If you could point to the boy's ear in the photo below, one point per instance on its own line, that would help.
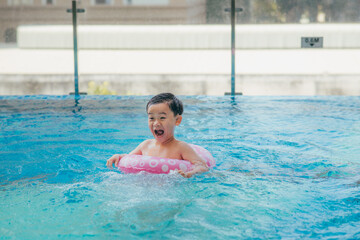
(178, 120)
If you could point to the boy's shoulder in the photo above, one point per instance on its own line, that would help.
(183, 145)
(185, 150)
(148, 141)
(146, 144)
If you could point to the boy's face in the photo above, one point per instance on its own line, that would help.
(162, 122)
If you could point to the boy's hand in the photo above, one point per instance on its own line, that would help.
(114, 159)
(197, 169)
(185, 174)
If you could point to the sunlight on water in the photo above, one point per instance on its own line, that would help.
(287, 167)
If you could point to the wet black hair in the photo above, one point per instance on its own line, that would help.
(174, 103)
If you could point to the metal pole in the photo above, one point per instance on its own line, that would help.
(232, 47)
(74, 12)
(76, 76)
(232, 11)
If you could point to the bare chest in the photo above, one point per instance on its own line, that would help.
(170, 152)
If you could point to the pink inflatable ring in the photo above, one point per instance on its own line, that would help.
(157, 165)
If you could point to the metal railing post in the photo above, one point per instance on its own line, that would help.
(74, 12)
(232, 11)
(232, 47)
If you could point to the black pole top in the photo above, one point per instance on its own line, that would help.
(236, 9)
(79, 10)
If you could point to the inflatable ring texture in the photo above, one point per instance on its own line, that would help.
(157, 165)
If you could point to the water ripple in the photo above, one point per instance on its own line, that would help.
(287, 167)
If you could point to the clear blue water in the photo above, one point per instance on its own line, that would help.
(287, 168)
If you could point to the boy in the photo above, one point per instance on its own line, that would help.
(164, 113)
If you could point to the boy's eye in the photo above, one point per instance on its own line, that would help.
(163, 118)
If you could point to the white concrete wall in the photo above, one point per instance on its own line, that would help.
(176, 62)
(186, 72)
(188, 60)
(287, 36)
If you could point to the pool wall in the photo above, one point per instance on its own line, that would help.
(269, 61)
(215, 85)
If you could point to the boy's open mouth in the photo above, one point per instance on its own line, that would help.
(159, 132)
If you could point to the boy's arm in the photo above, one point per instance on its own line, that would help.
(115, 159)
(189, 154)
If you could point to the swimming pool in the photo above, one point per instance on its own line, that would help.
(287, 167)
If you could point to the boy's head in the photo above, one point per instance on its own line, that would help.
(164, 113)
(173, 102)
